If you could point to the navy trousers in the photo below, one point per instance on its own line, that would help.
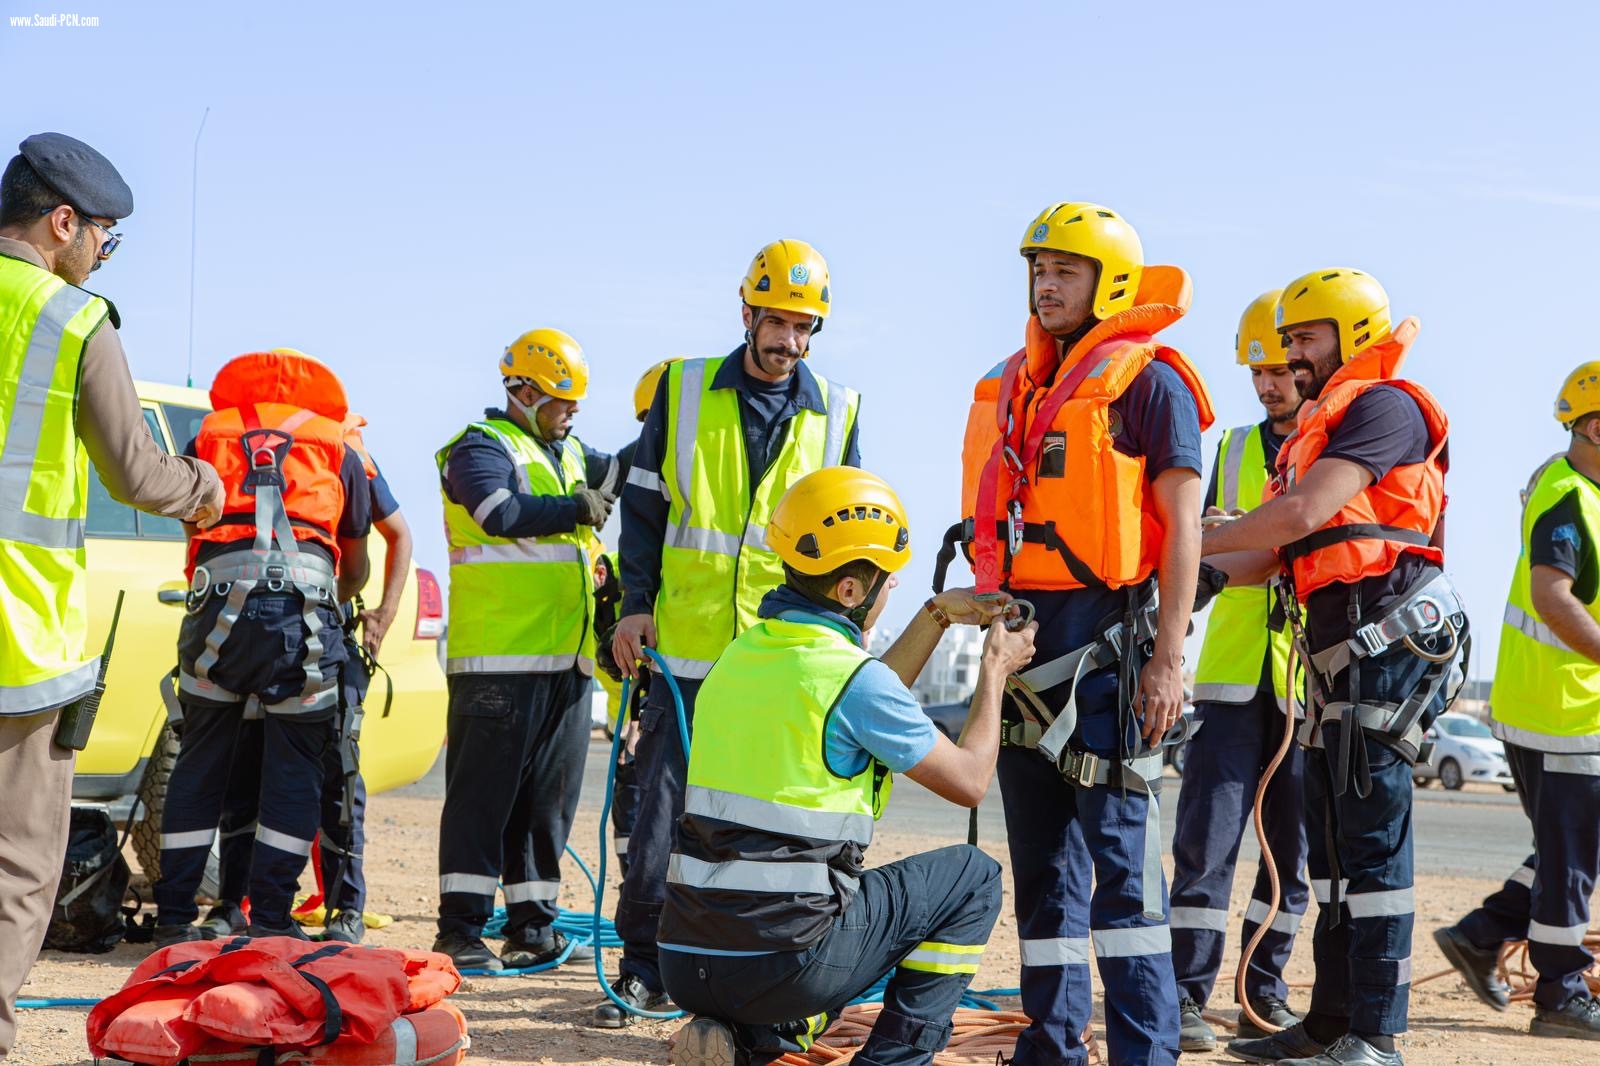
(661, 766)
(344, 884)
(1063, 839)
(513, 770)
(923, 905)
(1362, 948)
(1546, 901)
(1226, 758)
(261, 656)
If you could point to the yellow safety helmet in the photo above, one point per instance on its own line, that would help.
(550, 361)
(649, 381)
(1093, 232)
(1353, 301)
(1579, 395)
(837, 515)
(788, 276)
(1258, 341)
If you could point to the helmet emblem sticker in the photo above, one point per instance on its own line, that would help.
(1277, 315)
(798, 274)
(1040, 232)
(1257, 353)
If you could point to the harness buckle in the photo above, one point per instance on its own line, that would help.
(1079, 767)
(277, 576)
(1371, 639)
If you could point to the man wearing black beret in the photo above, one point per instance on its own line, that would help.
(65, 394)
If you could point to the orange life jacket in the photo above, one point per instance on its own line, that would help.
(1054, 504)
(283, 411)
(264, 992)
(1395, 514)
(353, 439)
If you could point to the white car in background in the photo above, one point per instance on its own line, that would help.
(1464, 752)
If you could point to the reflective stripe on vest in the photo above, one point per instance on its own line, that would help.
(771, 841)
(1237, 639)
(44, 489)
(715, 564)
(519, 606)
(1546, 696)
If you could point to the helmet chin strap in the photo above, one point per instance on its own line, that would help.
(858, 614)
(529, 411)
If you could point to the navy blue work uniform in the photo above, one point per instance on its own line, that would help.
(344, 884)
(262, 657)
(765, 411)
(1362, 948)
(516, 741)
(1224, 762)
(1065, 839)
(1546, 901)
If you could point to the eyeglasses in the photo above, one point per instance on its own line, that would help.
(112, 239)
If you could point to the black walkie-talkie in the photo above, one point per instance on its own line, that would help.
(77, 718)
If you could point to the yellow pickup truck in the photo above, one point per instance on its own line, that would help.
(131, 749)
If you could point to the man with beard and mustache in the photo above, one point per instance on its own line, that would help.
(66, 399)
(522, 496)
(1082, 475)
(723, 441)
(1355, 526)
(1239, 694)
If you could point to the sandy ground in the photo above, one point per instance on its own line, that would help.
(543, 1019)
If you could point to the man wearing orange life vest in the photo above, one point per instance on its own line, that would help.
(1356, 526)
(261, 637)
(1082, 469)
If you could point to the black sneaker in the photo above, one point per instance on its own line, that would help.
(637, 995)
(346, 927)
(1193, 1032)
(1578, 1019)
(1293, 1043)
(1478, 967)
(292, 930)
(167, 935)
(1271, 1010)
(1349, 1050)
(222, 921)
(468, 952)
(703, 1042)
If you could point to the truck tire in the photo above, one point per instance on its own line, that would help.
(152, 798)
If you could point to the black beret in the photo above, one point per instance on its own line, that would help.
(84, 178)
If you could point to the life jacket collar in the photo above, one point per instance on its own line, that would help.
(280, 377)
(1164, 296)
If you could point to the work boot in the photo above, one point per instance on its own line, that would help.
(1349, 1050)
(292, 930)
(167, 935)
(636, 994)
(345, 927)
(1270, 1009)
(1293, 1043)
(1193, 1032)
(468, 952)
(1578, 1019)
(1478, 967)
(703, 1042)
(224, 920)
(520, 952)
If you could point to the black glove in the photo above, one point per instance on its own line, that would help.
(1212, 581)
(603, 659)
(594, 506)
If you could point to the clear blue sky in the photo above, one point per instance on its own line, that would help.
(403, 188)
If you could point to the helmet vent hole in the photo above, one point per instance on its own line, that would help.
(1105, 214)
(1119, 279)
(807, 546)
(827, 523)
(1302, 292)
(861, 514)
(1364, 338)
(1359, 325)
(1330, 277)
(1074, 218)
(1117, 294)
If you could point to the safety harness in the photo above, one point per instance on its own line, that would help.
(236, 573)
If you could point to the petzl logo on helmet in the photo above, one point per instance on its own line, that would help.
(1040, 231)
(798, 274)
(1257, 353)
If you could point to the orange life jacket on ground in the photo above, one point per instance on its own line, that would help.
(1395, 514)
(276, 415)
(1054, 504)
(266, 992)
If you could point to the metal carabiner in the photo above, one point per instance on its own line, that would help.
(1025, 614)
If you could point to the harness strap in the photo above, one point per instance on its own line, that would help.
(1086, 770)
(1331, 535)
(1422, 610)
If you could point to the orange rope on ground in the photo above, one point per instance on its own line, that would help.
(978, 1035)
